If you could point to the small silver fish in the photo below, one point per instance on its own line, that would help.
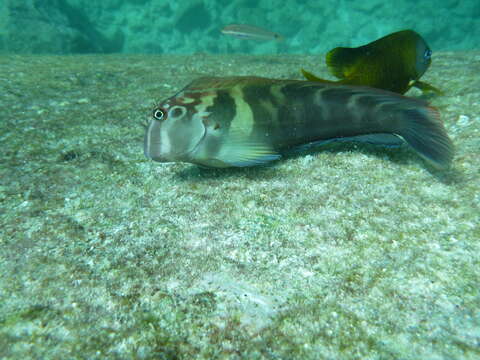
(246, 121)
(250, 32)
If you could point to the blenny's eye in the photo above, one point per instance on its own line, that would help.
(159, 114)
(177, 111)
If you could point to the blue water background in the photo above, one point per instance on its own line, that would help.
(188, 27)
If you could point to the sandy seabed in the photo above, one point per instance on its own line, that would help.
(351, 252)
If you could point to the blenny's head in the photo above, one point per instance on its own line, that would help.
(176, 129)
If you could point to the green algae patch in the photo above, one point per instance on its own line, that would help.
(346, 252)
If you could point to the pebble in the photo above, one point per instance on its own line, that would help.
(463, 120)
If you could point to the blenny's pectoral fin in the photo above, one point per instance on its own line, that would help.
(310, 77)
(239, 151)
(427, 88)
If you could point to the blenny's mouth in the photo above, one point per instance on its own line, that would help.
(147, 141)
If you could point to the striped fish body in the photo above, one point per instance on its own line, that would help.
(244, 121)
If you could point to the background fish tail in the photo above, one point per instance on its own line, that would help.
(423, 130)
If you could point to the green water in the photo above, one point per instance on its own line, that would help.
(188, 27)
(348, 252)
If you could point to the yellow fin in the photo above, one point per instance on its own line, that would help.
(427, 88)
(310, 77)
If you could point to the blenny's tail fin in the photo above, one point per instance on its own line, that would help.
(423, 130)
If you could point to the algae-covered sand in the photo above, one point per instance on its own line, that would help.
(352, 252)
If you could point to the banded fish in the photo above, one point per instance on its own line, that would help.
(246, 121)
(394, 62)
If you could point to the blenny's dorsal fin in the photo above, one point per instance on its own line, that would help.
(219, 83)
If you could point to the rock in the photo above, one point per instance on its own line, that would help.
(49, 26)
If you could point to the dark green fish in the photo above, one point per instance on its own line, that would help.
(394, 62)
(245, 121)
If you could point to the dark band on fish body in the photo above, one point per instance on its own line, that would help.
(320, 111)
(222, 113)
(276, 116)
(334, 95)
(257, 98)
(223, 109)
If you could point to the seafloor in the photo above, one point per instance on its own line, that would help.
(350, 252)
